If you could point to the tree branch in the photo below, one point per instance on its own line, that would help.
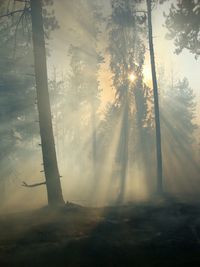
(140, 11)
(32, 185)
(14, 12)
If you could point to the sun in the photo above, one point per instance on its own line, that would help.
(132, 77)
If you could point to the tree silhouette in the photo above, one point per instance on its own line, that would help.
(183, 24)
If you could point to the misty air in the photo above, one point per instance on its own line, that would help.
(99, 133)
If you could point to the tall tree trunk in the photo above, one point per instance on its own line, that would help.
(124, 149)
(54, 191)
(156, 102)
(94, 141)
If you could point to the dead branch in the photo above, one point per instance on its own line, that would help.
(32, 185)
(14, 12)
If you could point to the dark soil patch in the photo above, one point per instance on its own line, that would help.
(165, 234)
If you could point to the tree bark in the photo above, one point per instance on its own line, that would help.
(54, 191)
(156, 103)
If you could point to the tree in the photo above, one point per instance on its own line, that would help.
(180, 107)
(178, 113)
(85, 60)
(156, 102)
(183, 24)
(126, 52)
(52, 175)
(92, 61)
(17, 94)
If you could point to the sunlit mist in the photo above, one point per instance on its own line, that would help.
(102, 106)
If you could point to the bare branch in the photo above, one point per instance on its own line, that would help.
(14, 12)
(32, 185)
(140, 11)
(17, 25)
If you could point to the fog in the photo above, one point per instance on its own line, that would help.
(101, 96)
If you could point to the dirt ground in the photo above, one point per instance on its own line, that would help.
(153, 234)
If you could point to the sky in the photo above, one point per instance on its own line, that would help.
(182, 65)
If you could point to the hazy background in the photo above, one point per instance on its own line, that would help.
(182, 65)
(72, 121)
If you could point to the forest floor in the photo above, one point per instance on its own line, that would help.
(165, 233)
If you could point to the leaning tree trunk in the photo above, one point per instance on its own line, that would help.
(52, 176)
(156, 102)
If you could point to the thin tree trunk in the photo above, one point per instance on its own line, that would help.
(54, 191)
(94, 141)
(156, 103)
(124, 152)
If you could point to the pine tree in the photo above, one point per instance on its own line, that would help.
(126, 51)
(180, 102)
(17, 111)
(178, 122)
(52, 175)
(83, 78)
(183, 25)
